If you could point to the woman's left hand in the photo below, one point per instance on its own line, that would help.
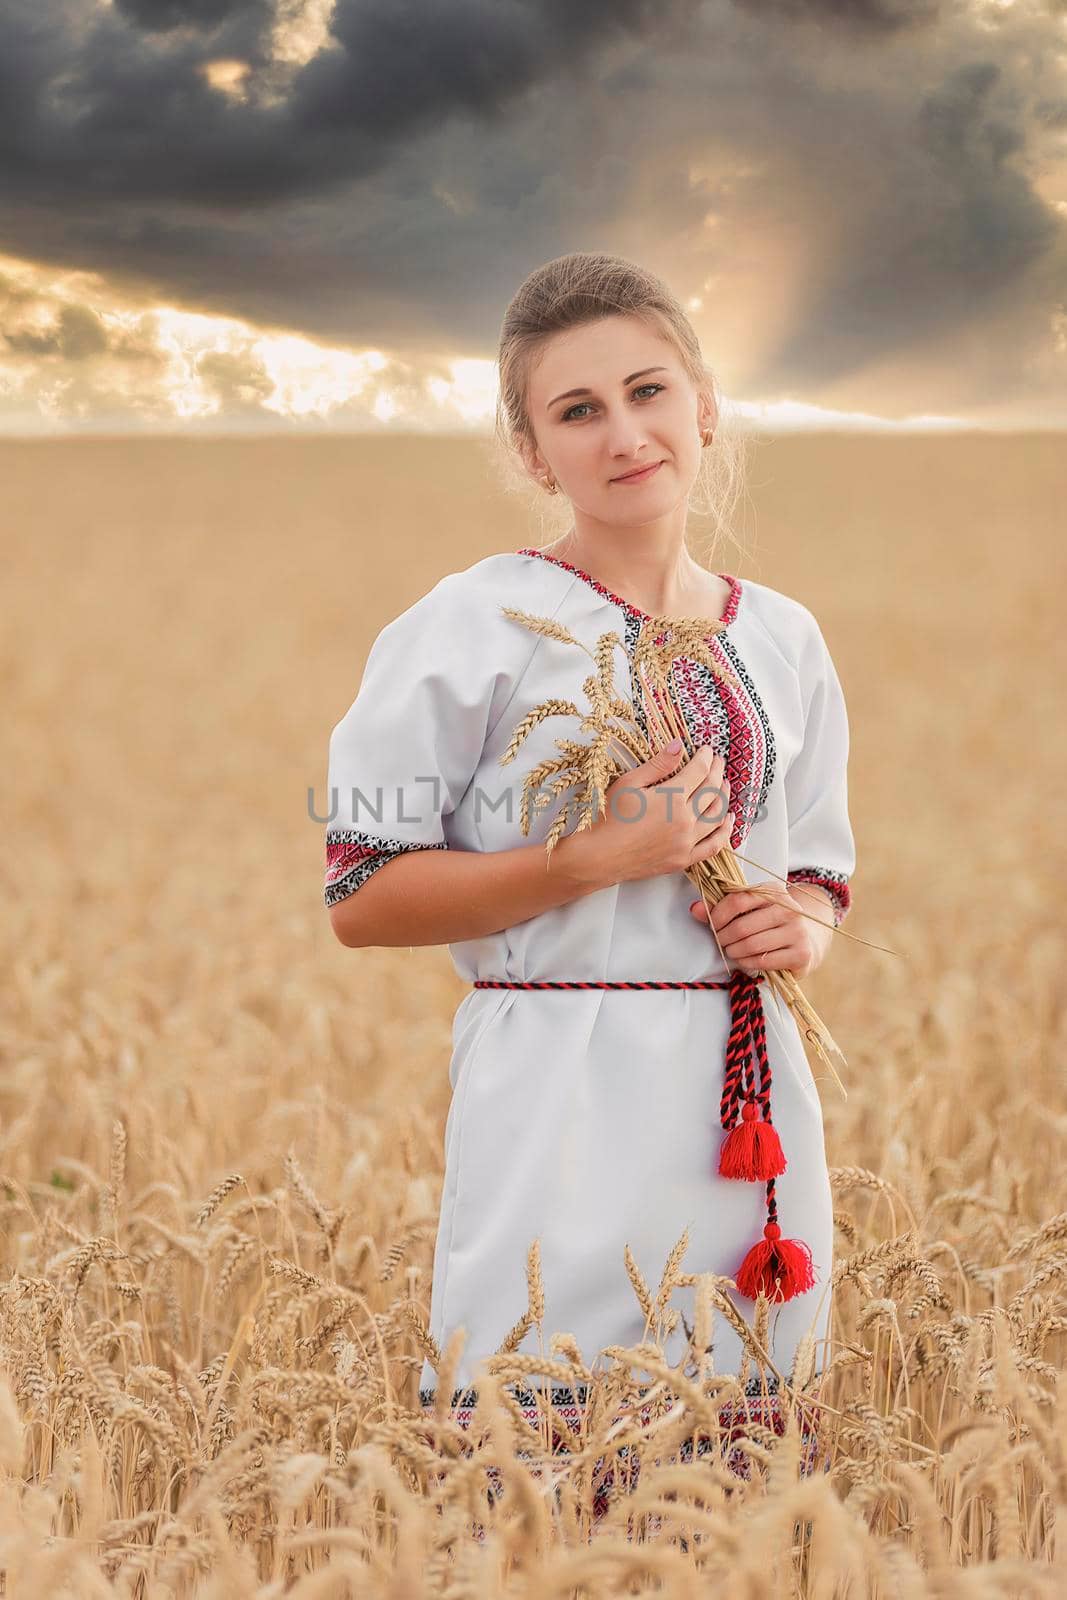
(764, 934)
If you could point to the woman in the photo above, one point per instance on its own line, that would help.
(589, 1119)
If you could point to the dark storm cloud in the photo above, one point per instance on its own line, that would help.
(868, 166)
(136, 118)
(876, 15)
(160, 16)
(971, 226)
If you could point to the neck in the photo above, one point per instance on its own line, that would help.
(649, 564)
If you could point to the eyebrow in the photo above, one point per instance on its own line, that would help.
(570, 393)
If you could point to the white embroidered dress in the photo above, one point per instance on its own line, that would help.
(589, 1119)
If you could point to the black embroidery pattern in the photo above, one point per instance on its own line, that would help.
(566, 1394)
(352, 855)
(738, 668)
(762, 1407)
(835, 883)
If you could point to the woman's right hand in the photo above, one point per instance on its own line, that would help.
(663, 818)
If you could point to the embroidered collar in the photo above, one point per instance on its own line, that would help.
(728, 615)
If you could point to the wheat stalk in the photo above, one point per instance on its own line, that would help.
(620, 743)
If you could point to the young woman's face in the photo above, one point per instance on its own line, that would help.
(640, 409)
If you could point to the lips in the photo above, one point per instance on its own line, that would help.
(639, 473)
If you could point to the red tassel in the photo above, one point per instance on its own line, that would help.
(779, 1267)
(753, 1149)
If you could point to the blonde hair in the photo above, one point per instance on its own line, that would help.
(579, 288)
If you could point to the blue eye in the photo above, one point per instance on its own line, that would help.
(655, 387)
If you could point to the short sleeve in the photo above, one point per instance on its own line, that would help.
(821, 845)
(406, 750)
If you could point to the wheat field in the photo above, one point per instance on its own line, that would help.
(222, 1132)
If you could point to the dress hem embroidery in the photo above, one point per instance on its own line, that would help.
(761, 1409)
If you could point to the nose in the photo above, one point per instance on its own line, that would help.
(627, 439)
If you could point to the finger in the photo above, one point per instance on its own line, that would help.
(743, 946)
(760, 921)
(700, 774)
(711, 800)
(720, 826)
(714, 841)
(757, 947)
(737, 902)
(783, 960)
(734, 903)
(699, 910)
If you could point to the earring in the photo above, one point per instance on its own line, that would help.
(706, 436)
(550, 483)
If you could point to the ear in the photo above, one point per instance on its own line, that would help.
(533, 461)
(707, 411)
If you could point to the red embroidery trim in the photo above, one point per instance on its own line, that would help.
(635, 611)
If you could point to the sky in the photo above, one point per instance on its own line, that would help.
(242, 216)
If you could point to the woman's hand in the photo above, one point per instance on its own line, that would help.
(659, 819)
(761, 934)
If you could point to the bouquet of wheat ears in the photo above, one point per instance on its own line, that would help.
(619, 744)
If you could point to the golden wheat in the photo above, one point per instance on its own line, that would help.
(181, 1417)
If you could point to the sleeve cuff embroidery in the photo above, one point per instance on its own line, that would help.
(835, 884)
(351, 857)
